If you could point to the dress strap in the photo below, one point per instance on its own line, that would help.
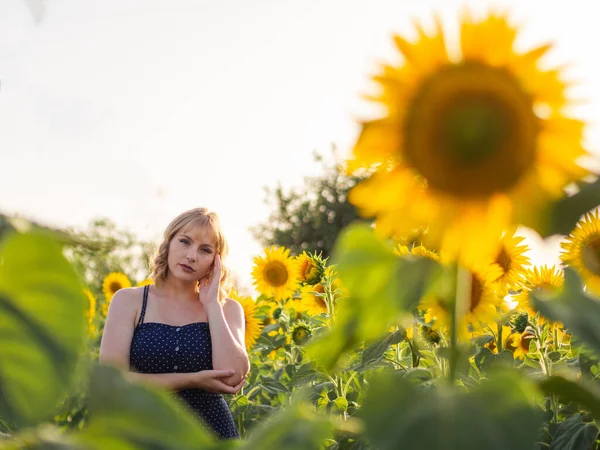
(144, 303)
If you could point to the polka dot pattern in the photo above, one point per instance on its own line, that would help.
(162, 348)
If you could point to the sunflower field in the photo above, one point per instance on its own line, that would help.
(429, 329)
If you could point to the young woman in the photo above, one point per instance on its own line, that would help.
(183, 333)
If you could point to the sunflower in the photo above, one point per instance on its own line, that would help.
(582, 250)
(253, 324)
(312, 300)
(512, 260)
(481, 305)
(418, 250)
(310, 268)
(276, 273)
(146, 282)
(519, 343)
(90, 313)
(111, 284)
(470, 143)
(544, 278)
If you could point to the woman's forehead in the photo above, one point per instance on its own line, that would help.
(200, 233)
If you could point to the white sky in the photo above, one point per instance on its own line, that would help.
(137, 110)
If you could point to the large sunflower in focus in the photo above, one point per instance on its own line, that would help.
(471, 143)
(275, 274)
(253, 325)
(582, 250)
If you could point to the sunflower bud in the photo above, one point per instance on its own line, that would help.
(519, 322)
(301, 334)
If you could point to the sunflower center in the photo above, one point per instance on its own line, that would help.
(476, 292)
(591, 255)
(114, 287)
(275, 273)
(471, 130)
(503, 260)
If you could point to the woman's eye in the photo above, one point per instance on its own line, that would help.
(184, 241)
(207, 250)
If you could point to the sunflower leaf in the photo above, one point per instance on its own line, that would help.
(41, 325)
(575, 434)
(398, 411)
(581, 392)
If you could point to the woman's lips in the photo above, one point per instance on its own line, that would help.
(186, 268)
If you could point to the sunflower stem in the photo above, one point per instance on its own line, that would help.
(463, 289)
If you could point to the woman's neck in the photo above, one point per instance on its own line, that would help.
(175, 289)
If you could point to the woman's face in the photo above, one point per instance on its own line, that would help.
(191, 253)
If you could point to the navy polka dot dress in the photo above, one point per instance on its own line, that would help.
(162, 348)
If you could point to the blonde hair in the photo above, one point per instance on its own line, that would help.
(197, 217)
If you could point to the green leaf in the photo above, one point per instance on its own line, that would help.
(574, 434)
(124, 415)
(382, 288)
(566, 212)
(418, 375)
(304, 375)
(497, 415)
(373, 353)
(341, 403)
(294, 428)
(579, 312)
(42, 326)
(584, 393)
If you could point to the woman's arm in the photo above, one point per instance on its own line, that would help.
(227, 328)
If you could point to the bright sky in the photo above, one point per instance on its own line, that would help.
(137, 110)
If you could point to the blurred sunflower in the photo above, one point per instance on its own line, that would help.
(470, 144)
(111, 284)
(311, 300)
(582, 250)
(90, 312)
(253, 324)
(481, 307)
(275, 273)
(146, 282)
(310, 268)
(519, 343)
(512, 260)
(418, 250)
(544, 278)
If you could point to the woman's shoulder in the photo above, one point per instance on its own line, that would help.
(126, 297)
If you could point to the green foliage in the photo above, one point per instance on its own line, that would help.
(497, 415)
(575, 434)
(311, 217)
(382, 287)
(41, 326)
(132, 416)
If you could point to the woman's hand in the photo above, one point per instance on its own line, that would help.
(209, 287)
(212, 381)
